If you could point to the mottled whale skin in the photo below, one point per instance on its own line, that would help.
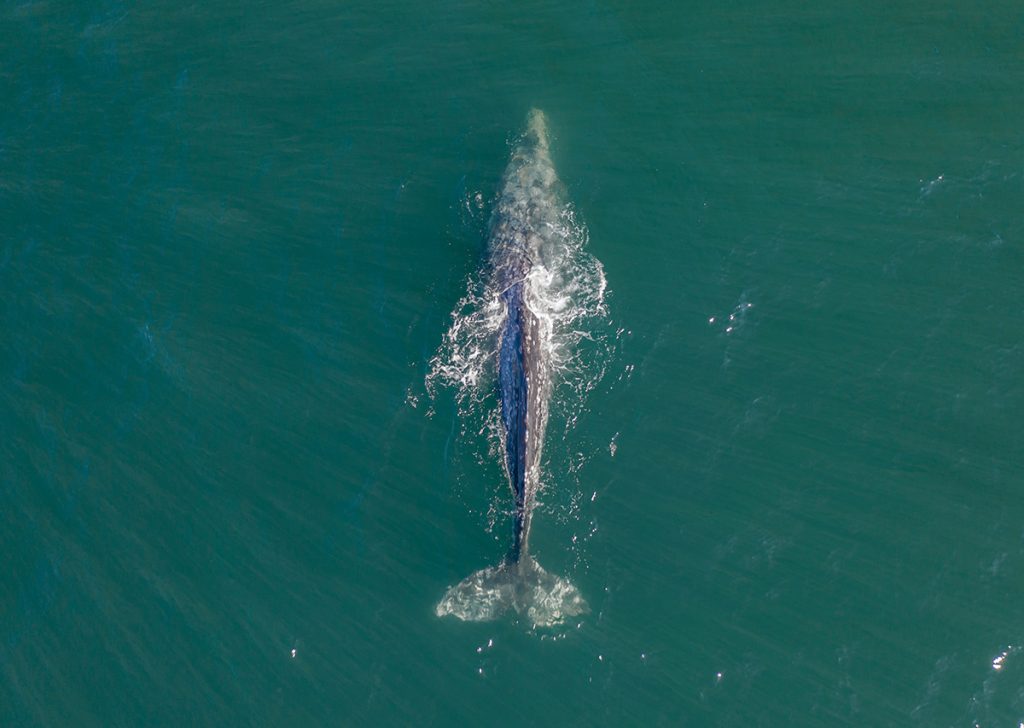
(528, 202)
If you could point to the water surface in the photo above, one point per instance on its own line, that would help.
(231, 242)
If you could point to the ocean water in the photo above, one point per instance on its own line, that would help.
(231, 242)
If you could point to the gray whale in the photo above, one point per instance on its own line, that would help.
(527, 203)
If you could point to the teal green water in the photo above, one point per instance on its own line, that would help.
(230, 242)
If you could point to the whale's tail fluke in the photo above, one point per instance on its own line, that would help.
(523, 586)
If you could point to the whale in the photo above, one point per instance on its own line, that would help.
(524, 212)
